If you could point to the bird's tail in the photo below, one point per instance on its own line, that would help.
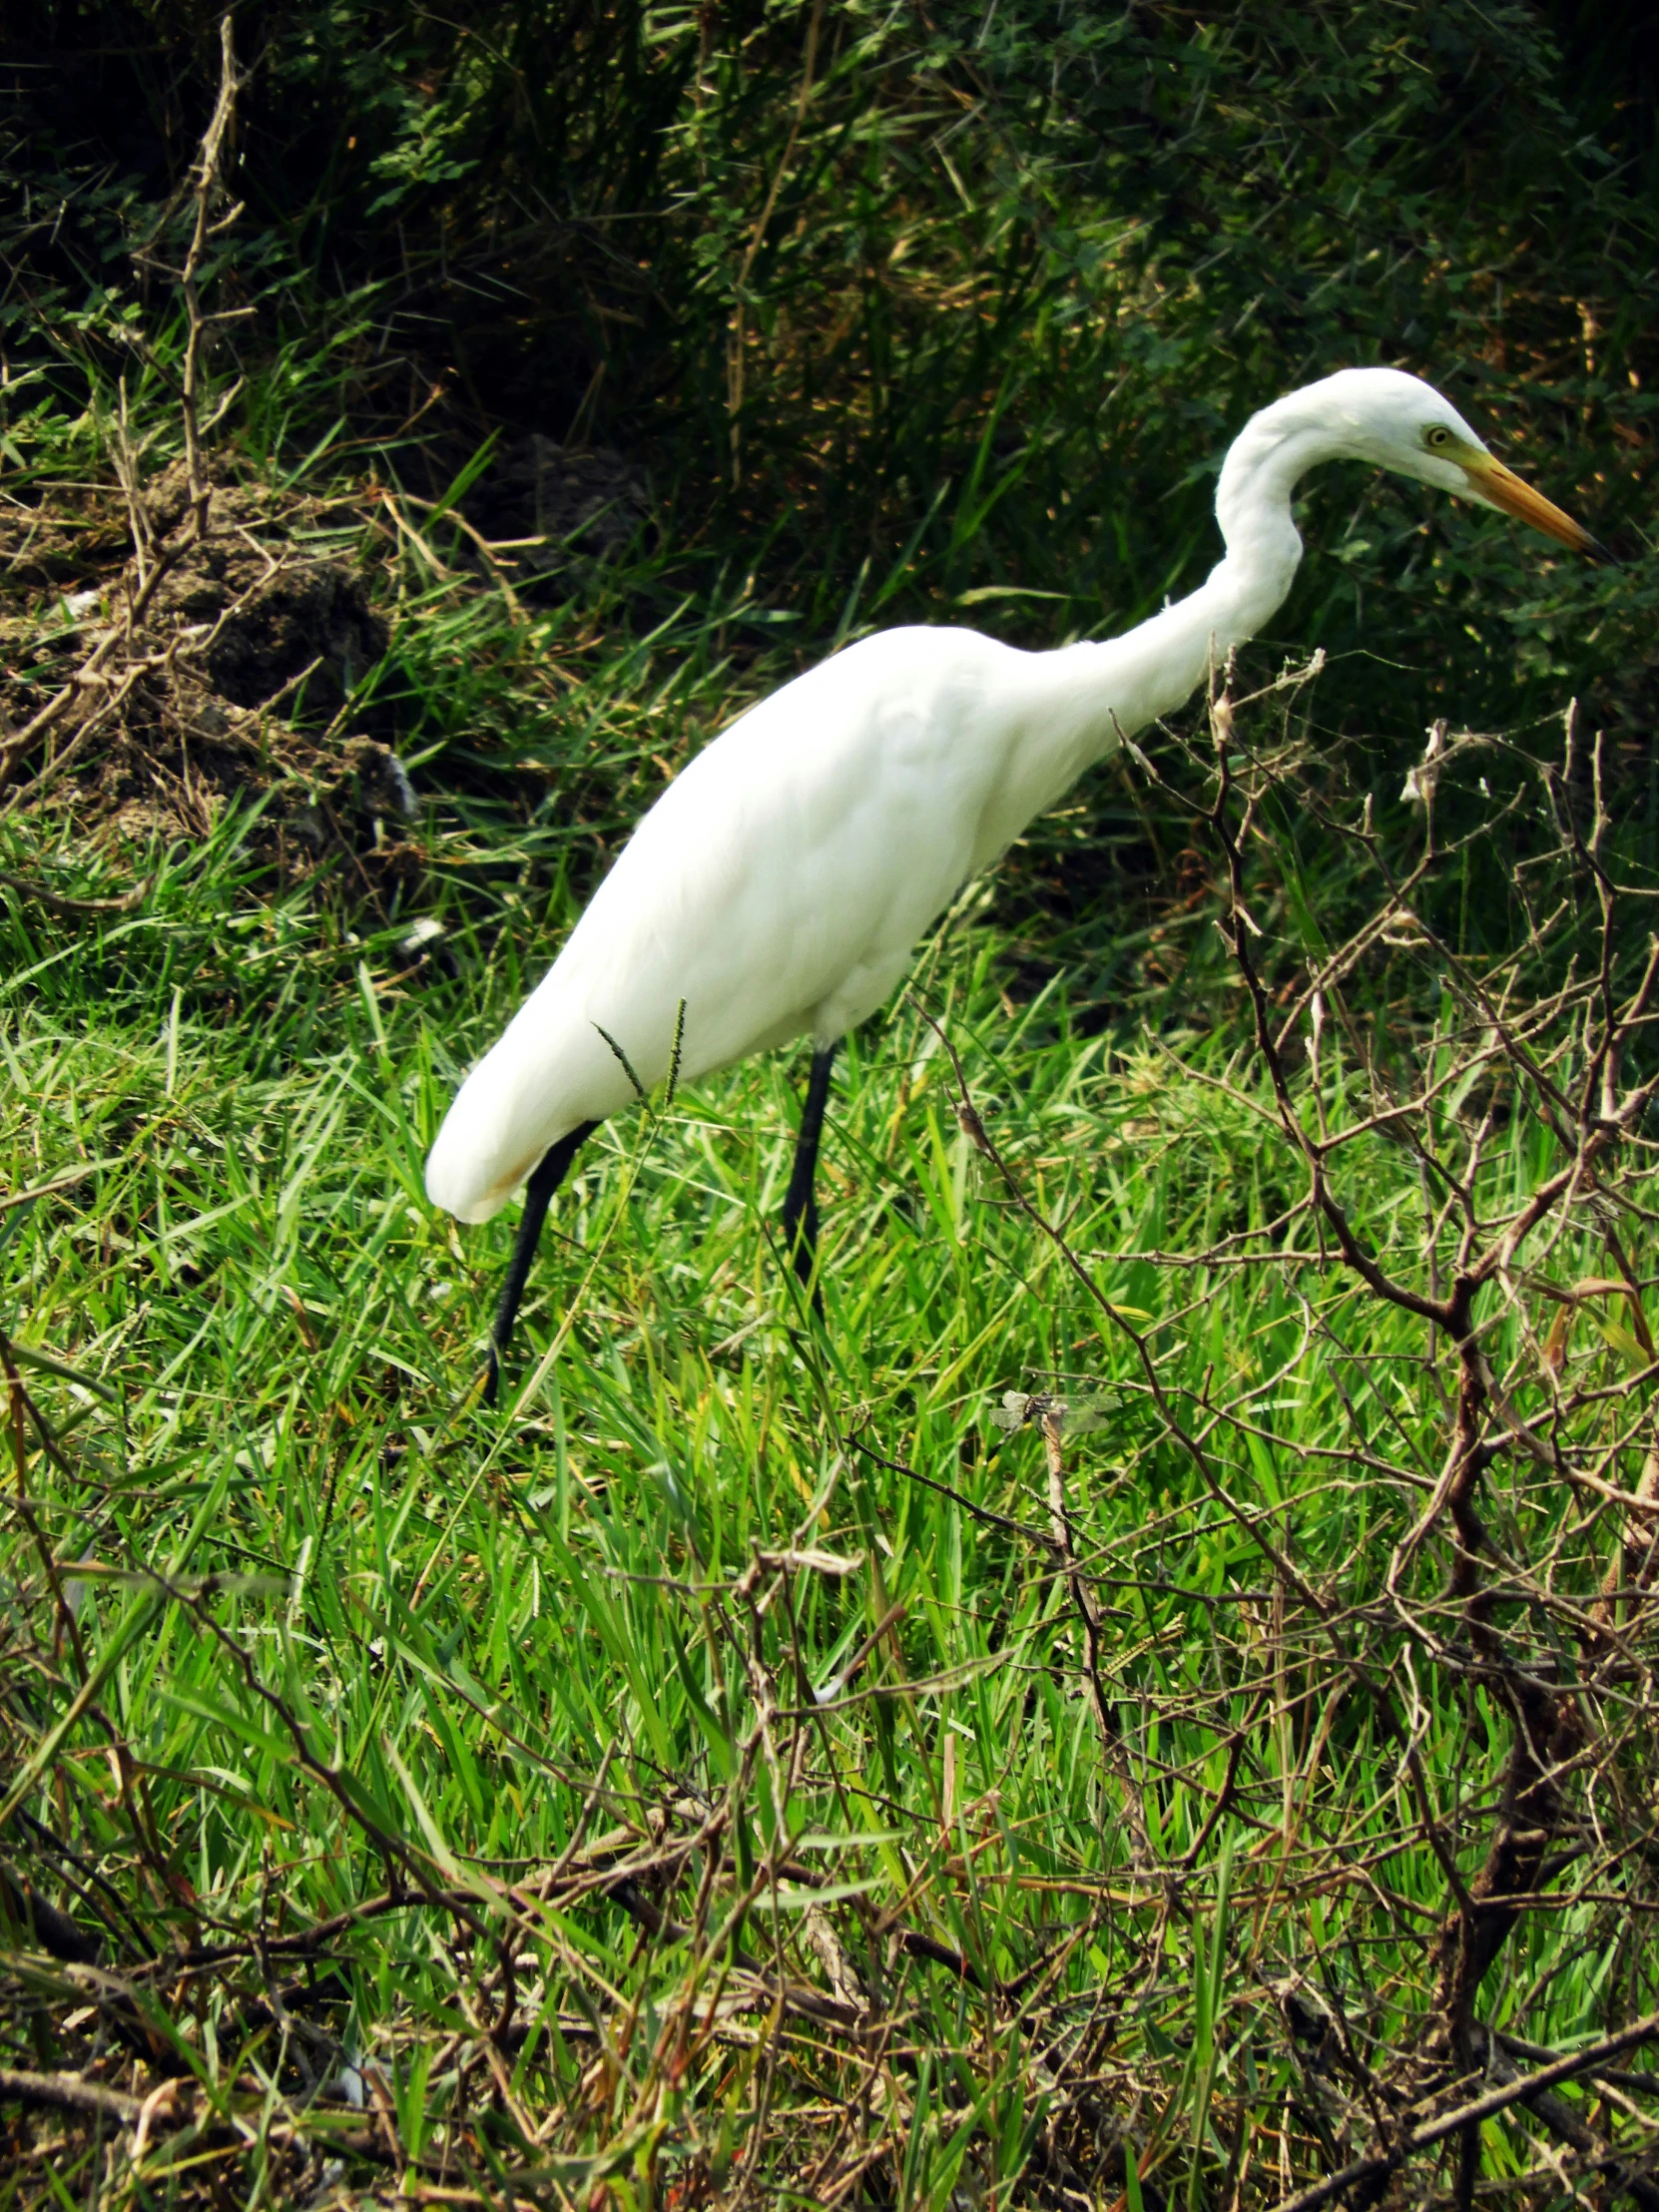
(487, 1146)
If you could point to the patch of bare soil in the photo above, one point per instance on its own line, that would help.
(153, 671)
(276, 621)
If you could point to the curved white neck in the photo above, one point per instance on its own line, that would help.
(1102, 693)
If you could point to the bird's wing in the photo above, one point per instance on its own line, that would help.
(814, 839)
(778, 885)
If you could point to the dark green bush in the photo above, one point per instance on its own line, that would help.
(923, 312)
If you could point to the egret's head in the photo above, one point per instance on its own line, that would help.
(1401, 423)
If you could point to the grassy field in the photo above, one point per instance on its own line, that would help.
(742, 1765)
(1149, 1702)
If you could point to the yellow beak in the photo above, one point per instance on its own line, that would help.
(1502, 487)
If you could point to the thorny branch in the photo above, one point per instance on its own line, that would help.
(1540, 1035)
(1518, 1052)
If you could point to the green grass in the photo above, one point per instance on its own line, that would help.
(357, 1638)
(727, 1770)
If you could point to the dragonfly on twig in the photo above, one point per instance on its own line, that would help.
(1075, 1416)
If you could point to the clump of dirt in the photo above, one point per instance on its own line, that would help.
(552, 514)
(252, 605)
(275, 622)
(227, 677)
(273, 608)
(183, 673)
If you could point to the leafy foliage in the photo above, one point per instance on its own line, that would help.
(911, 318)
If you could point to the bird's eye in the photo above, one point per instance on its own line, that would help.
(1437, 435)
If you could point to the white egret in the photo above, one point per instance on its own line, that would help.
(780, 884)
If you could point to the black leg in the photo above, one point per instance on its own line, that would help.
(800, 1204)
(538, 1193)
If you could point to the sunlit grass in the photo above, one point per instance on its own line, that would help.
(769, 1614)
(473, 1616)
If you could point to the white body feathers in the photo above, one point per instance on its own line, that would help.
(780, 884)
